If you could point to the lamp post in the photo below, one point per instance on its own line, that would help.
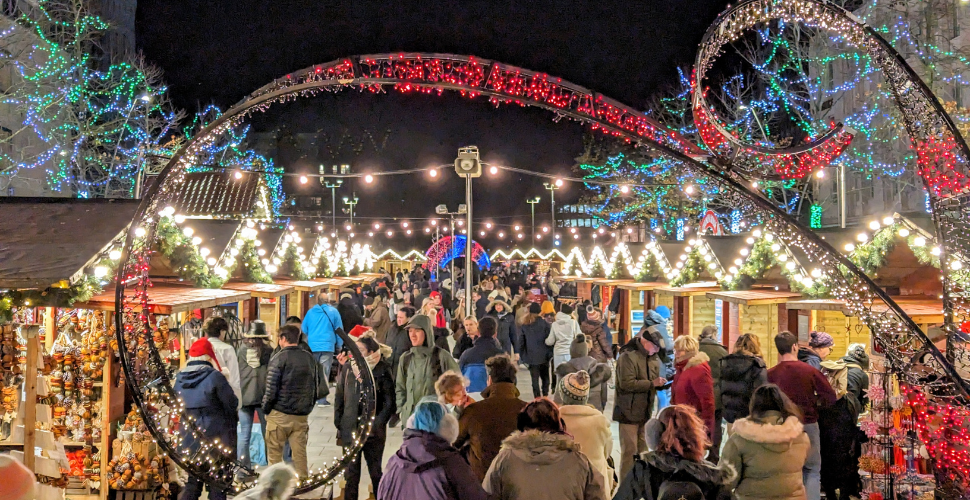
(469, 166)
(532, 204)
(332, 186)
(552, 187)
(351, 202)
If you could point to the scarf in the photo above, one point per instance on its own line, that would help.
(373, 358)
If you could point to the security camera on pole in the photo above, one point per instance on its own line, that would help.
(468, 166)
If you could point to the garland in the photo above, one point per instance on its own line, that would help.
(55, 296)
(341, 268)
(572, 265)
(691, 270)
(649, 269)
(183, 256)
(596, 270)
(292, 265)
(619, 270)
(323, 266)
(252, 270)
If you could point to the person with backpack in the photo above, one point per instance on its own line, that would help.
(420, 367)
(839, 435)
(768, 448)
(808, 389)
(819, 347)
(678, 442)
(484, 424)
(472, 362)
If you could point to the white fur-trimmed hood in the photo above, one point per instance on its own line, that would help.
(768, 433)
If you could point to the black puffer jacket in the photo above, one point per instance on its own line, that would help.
(252, 381)
(741, 374)
(400, 343)
(532, 346)
(651, 469)
(347, 404)
(291, 382)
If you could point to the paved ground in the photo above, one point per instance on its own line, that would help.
(322, 447)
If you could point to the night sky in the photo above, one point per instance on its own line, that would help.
(217, 52)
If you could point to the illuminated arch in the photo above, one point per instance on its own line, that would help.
(500, 83)
(451, 247)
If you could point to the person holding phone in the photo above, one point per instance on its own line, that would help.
(637, 381)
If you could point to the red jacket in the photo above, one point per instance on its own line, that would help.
(693, 386)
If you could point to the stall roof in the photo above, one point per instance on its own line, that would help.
(219, 195)
(260, 290)
(301, 286)
(923, 310)
(47, 240)
(216, 234)
(170, 299)
(651, 285)
(689, 290)
(754, 297)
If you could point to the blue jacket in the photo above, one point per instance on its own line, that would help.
(319, 331)
(209, 400)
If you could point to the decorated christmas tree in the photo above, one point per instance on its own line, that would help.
(572, 265)
(341, 268)
(649, 270)
(323, 266)
(620, 270)
(597, 270)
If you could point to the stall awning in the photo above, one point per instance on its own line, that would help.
(261, 290)
(754, 297)
(47, 240)
(921, 310)
(302, 286)
(692, 289)
(642, 287)
(219, 195)
(170, 299)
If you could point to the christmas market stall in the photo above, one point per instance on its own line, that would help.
(62, 389)
(394, 262)
(268, 303)
(635, 299)
(761, 312)
(690, 309)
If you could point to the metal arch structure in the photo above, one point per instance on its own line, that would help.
(450, 247)
(909, 350)
(943, 157)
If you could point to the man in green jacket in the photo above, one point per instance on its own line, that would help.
(637, 380)
(420, 367)
(714, 350)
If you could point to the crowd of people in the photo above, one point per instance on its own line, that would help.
(694, 421)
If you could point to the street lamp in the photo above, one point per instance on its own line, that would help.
(332, 186)
(552, 187)
(469, 166)
(351, 202)
(532, 204)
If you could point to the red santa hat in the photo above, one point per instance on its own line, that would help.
(201, 350)
(357, 331)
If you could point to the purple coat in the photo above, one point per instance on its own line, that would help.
(429, 468)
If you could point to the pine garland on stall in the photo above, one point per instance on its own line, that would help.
(596, 269)
(572, 265)
(649, 270)
(341, 268)
(691, 270)
(252, 270)
(292, 266)
(619, 270)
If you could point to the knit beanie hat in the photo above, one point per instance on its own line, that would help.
(548, 308)
(535, 308)
(574, 388)
(18, 481)
(820, 339)
(201, 350)
(579, 348)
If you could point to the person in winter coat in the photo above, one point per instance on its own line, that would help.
(427, 466)
(768, 448)
(211, 404)
(715, 352)
(480, 304)
(377, 317)
(397, 337)
(693, 385)
(655, 321)
(588, 426)
(217, 329)
(507, 334)
(450, 388)
(541, 461)
(599, 373)
(742, 372)
(857, 360)
(637, 381)
(678, 440)
(594, 330)
(420, 367)
(533, 350)
(350, 315)
(291, 387)
(472, 361)
(253, 356)
(348, 408)
(840, 440)
(819, 347)
(320, 324)
(561, 335)
(466, 336)
(484, 424)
